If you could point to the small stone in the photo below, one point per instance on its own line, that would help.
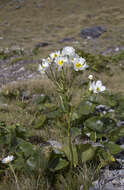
(25, 95)
(55, 144)
(67, 40)
(122, 181)
(117, 49)
(92, 32)
(20, 70)
(115, 166)
(122, 146)
(109, 186)
(121, 172)
(81, 187)
(92, 188)
(119, 123)
(42, 44)
(120, 141)
(120, 155)
(115, 182)
(18, 7)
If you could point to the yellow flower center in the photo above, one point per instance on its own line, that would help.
(55, 55)
(61, 62)
(78, 65)
(98, 89)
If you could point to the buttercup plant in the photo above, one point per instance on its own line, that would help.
(58, 67)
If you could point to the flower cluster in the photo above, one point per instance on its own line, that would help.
(67, 56)
(97, 86)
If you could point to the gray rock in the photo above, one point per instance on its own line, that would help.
(42, 44)
(18, 7)
(66, 40)
(119, 123)
(109, 186)
(25, 95)
(92, 32)
(120, 155)
(81, 187)
(55, 144)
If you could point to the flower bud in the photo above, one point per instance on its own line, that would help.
(90, 77)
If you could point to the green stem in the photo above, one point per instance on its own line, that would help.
(16, 180)
(69, 141)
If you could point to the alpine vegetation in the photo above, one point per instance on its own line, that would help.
(58, 67)
(71, 129)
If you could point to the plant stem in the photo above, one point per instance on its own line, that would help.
(69, 141)
(16, 180)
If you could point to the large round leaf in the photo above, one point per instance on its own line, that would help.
(113, 148)
(58, 164)
(95, 124)
(88, 154)
(101, 124)
(85, 108)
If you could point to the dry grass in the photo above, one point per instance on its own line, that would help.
(41, 85)
(55, 20)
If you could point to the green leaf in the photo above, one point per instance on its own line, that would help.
(101, 124)
(41, 99)
(121, 132)
(19, 163)
(55, 114)
(26, 147)
(85, 108)
(95, 124)
(58, 164)
(118, 132)
(68, 154)
(88, 154)
(75, 131)
(113, 148)
(21, 132)
(109, 100)
(40, 121)
(37, 161)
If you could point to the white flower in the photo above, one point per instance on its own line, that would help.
(41, 69)
(68, 51)
(97, 87)
(54, 55)
(79, 64)
(90, 77)
(7, 159)
(48, 60)
(88, 134)
(45, 64)
(60, 61)
(71, 58)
